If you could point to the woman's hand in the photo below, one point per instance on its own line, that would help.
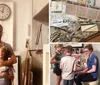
(1, 63)
(84, 71)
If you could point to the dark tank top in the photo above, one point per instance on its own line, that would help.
(57, 58)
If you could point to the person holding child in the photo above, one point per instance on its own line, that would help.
(9, 54)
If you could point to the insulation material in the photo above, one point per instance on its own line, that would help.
(81, 11)
(92, 13)
(71, 9)
(98, 15)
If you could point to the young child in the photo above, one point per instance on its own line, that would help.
(67, 66)
(6, 73)
(55, 59)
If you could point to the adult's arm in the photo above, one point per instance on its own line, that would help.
(94, 65)
(9, 54)
(8, 76)
(9, 62)
(92, 70)
(88, 71)
(84, 71)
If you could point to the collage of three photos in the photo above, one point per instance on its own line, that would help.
(74, 47)
(49, 42)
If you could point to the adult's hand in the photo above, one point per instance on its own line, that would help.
(84, 71)
(8, 62)
(1, 63)
(2, 75)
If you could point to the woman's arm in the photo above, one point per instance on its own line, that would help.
(89, 71)
(52, 61)
(9, 62)
(7, 76)
(10, 74)
(84, 71)
(92, 70)
(10, 54)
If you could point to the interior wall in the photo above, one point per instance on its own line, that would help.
(37, 7)
(8, 24)
(23, 19)
(23, 22)
(44, 35)
(97, 3)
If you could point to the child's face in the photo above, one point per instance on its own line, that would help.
(65, 51)
(58, 48)
(2, 53)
